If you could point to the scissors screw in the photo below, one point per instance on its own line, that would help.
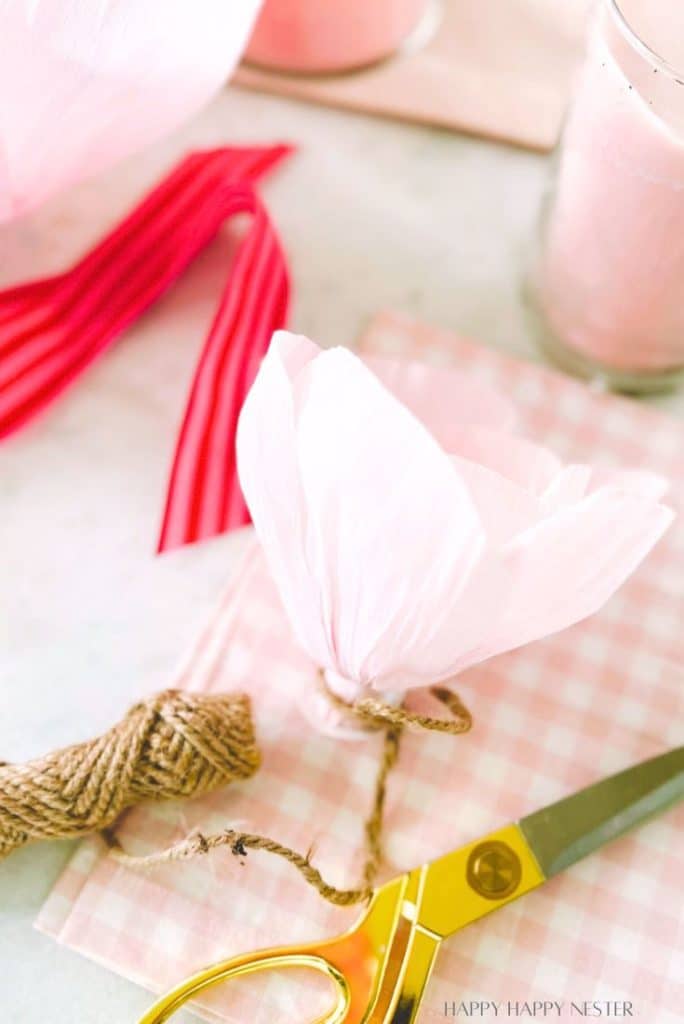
(493, 870)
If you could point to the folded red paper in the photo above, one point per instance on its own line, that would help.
(52, 329)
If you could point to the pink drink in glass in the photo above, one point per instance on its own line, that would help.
(611, 279)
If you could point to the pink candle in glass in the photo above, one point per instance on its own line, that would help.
(331, 35)
(611, 279)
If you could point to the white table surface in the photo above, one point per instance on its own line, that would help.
(374, 214)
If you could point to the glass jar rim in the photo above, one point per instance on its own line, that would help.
(635, 40)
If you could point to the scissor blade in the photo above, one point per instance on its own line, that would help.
(564, 832)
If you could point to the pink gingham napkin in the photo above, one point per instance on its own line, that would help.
(549, 718)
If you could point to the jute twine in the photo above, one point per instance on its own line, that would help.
(172, 745)
(373, 713)
(182, 745)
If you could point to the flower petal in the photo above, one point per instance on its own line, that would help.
(393, 534)
(452, 639)
(269, 476)
(567, 566)
(634, 481)
(526, 464)
(568, 487)
(505, 509)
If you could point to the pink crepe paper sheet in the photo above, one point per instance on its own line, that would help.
(499, 68)
(549, 718)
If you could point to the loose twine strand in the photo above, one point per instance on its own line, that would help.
(373, 713)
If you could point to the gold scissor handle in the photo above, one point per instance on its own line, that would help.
(357, 963)
(242, 966)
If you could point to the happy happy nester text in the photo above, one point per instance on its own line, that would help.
(539, 1008)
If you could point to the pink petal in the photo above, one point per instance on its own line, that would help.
(569, 565)
(526, 464)
(505, 509)
(568, 487)
(642, 482)
(269, 476)
(392, 534)
(445, 643)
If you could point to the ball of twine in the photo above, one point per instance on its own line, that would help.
(170, 746)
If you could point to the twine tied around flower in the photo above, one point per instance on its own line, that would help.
(376, 715)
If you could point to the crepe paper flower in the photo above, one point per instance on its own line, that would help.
(84, 83)
(411, 534)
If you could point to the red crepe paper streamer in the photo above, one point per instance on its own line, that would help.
(52, 329)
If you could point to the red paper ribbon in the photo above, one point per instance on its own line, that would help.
(52, 329)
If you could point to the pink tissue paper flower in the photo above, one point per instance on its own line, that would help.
(408, 544)
(84, 83)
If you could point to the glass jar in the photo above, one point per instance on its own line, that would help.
(314, 36)
(609, 277)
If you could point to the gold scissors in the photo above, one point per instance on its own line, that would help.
(381, 967)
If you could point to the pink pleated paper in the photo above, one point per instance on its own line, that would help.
(549, 717)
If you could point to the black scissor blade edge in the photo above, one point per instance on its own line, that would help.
(564, 832)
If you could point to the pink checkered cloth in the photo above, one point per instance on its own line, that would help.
(549, 718)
